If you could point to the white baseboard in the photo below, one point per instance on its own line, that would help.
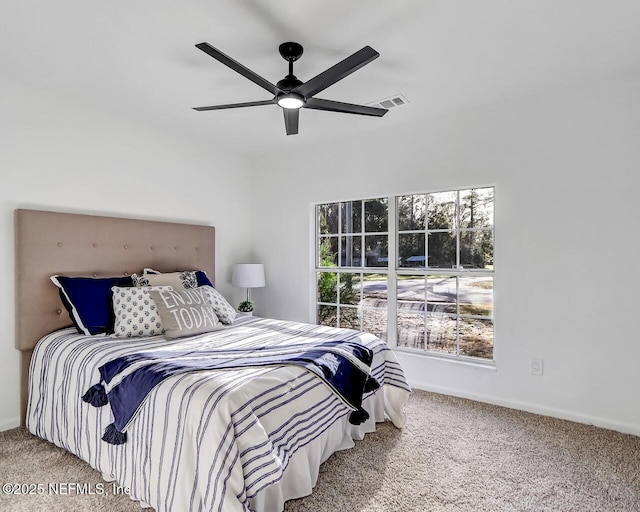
(625, 428)
(9, 424)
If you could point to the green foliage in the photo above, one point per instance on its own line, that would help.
(328, 284)
(441, 214)
(246, 306)
(347, 294)
(351, 216)
(411, 211)
(438, 211)
(476, 249)
(328, 280)
(376, 215)
(328, 218)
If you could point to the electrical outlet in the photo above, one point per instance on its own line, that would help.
(536, 366)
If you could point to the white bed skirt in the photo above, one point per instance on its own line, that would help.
(302, 472)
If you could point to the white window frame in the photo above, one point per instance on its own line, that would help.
(392, 271)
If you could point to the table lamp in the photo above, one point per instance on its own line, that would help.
(248, 275)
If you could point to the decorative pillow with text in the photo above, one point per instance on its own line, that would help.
(185, 312)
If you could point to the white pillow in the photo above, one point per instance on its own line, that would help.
(224, 311)
(188, 278)
(178, 280)
(135, 311)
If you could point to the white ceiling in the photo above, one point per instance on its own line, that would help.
(137, 57)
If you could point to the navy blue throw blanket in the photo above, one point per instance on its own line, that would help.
(126, 381)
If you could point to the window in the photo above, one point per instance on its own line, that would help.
(352, 264)
(445, 272)
(438, 296)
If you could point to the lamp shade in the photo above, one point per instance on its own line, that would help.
(248, 275)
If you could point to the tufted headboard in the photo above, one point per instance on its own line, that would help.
(49, 243)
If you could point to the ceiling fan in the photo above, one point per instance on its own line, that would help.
(290, 93)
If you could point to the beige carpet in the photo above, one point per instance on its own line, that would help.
(453, 455)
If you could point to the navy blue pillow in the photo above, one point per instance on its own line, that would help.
(88, 301)
(202, 278)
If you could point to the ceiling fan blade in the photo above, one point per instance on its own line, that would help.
(338, 72)
(347, 108)
(291, 117)
(238, 68)
(236, 105)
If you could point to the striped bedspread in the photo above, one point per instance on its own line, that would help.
(214, 440)
(127, 381)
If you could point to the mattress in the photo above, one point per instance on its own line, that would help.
(244, 439)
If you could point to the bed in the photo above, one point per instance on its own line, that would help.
(235, 439)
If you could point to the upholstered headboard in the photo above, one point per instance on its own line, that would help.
(49, 243)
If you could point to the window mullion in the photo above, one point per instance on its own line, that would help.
(338, 301)
(313, 304)
(458, 315)
(392, 280)
(425, 316)
(339, 235)
(457, 228)
(361, 315)
(426, 241)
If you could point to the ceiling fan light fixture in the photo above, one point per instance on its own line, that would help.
(290, 101)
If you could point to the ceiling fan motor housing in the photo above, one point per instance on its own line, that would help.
(288, 83)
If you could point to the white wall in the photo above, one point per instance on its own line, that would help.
(566, 286)
(565, 166)
(57, 153)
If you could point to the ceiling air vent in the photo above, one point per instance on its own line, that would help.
(391, 102)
